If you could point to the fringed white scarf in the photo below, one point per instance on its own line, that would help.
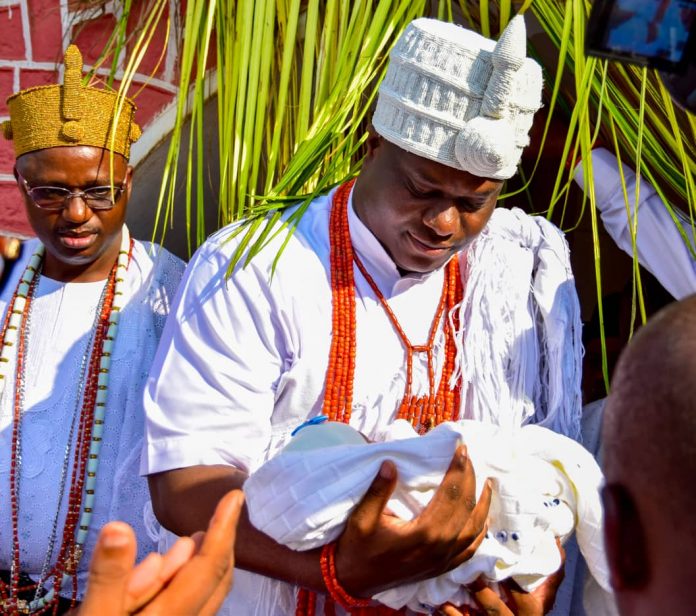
(519, 350)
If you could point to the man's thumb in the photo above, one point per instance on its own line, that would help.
(369, 510)
(109, 570)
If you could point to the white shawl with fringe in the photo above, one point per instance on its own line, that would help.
(519, 347)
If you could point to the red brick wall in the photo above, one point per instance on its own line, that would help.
(35, 33)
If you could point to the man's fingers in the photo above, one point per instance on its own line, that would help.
(487, 599)
(156, 570)
(202, 584)
(222, 530)
(490, 602)
(176, 557)
(197, 539)
(473, 532)
(479, 516)
(542, 599)
(455, 498)
(471, 545)
(109, 571)
(366, 515)
(212, 605)
(144, 578)
(450, 610)
(548, 597)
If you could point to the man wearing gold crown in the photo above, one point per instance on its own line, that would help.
(82, 315)
(401, 295)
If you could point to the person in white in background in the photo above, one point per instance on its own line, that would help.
(662, 249)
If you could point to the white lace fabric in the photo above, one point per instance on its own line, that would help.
(60, 334)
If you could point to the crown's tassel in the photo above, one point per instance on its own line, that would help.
(72, 84)
(72, 94)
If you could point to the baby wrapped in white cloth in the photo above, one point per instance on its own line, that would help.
(545, 485)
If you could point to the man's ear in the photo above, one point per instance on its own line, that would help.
(374, 140)
(624, 540)
(22, 187)
(129, 181)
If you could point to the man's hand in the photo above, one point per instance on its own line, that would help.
(517, 602)
(193, 577)
(378, 551)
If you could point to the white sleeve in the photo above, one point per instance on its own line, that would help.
(211, 390)
(661, 248)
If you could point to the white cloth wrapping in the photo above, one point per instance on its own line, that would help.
(545, 486)
(59, 336)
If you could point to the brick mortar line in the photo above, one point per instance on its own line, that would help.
(26, 30)
(138, 78)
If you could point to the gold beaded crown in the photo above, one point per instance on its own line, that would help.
(71, 114)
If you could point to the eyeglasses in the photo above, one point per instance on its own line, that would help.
(57, 197)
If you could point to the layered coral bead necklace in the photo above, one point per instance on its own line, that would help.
(86, 432)
(423, 412)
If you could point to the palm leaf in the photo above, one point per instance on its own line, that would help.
(296, 78)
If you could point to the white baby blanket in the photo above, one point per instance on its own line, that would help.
(545, 486)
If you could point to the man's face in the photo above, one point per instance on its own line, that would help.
(422, 212)
(81, 244)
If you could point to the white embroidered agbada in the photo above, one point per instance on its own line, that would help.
(243, 360)
(59, 336)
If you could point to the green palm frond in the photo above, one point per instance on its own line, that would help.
(295, 80)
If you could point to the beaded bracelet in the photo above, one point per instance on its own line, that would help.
(333, 586)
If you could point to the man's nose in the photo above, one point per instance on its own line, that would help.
(76, 209)
(442, 218)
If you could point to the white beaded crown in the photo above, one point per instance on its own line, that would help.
(460, 99)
